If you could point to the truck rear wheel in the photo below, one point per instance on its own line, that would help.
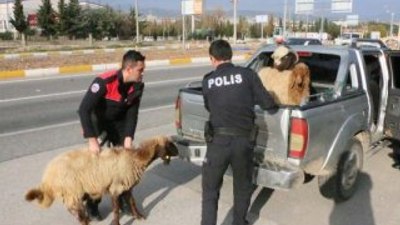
(341, 185)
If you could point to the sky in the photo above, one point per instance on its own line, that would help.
(373, 8)
(379, 9)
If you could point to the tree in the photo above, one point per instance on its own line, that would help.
(62, 25)
(380, 27)
(19, 21)
(74, 23)
(333, 30)
(47, 19)
(123, 26)
(269, 30)
(243, 27)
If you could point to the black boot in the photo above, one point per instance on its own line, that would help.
(124, 205)
(92, 207)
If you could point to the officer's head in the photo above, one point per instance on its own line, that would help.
(133, 66)
(220, 51)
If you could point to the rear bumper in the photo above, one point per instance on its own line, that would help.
(276, 176)
(269, 174)
(190, 150)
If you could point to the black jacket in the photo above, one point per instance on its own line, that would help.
(230, 94)
(113, 102)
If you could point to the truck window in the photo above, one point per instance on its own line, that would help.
(323, 68)
(374, 80)
(262, 60)
(396, 71)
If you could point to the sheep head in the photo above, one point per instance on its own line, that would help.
(166, 149)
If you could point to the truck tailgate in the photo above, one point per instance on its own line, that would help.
(194, 114)
(272, 139)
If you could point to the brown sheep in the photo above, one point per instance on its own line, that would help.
(288, 81)
(75, 175)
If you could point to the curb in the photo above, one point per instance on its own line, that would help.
(30, 73)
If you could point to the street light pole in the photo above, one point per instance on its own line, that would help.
(234, 21)
(398, 31)
(137, 21)
(391, 25)
(8, 17)
(183, 32)
(284, 18)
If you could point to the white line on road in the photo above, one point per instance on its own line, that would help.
(42, 96)
(148, 84)
(98, 72)
(72, 123)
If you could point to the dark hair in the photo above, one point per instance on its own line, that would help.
(221, 50)
(131, 57)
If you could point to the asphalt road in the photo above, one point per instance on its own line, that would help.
(167, 195)
(41, 114)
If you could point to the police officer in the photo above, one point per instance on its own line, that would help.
(110, 108)
(230, 93)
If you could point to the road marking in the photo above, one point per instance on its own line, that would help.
(149, 84)
(86, 74)
(41, 96)
(154, 83)
(73, 123)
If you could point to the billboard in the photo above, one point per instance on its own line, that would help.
(261, 18)
(352, 20)
(342, 6)
(192, 7)
(304, 6)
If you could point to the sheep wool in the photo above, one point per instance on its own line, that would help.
(74, 174)
(288, 87)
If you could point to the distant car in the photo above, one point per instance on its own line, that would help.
(303, 41)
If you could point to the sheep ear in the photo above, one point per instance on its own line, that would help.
(160, 148)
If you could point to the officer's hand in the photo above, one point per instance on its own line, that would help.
(94, 146)
(128, 143)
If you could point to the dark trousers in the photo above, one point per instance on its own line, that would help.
(222, 152)
(112, 134)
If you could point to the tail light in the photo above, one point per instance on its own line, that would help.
(298, 138)
(304, 54)
(178, 116)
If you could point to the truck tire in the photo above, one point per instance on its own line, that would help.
(342, 184)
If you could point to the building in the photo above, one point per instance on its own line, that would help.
(30, 9)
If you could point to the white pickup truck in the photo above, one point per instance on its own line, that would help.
(355, 102)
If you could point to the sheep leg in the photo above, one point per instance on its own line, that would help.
(116, 207)
(80, 214)
(135, 212)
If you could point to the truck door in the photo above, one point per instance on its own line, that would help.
(392, 121)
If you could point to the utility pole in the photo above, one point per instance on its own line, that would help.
(284, 18)
(398, 31)
(391, 25)
(321, 30)
(183, 32)
(307, 22)
(137, 21)
(262, 31)
(8, 17)
(193, 24)
(234, 21)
